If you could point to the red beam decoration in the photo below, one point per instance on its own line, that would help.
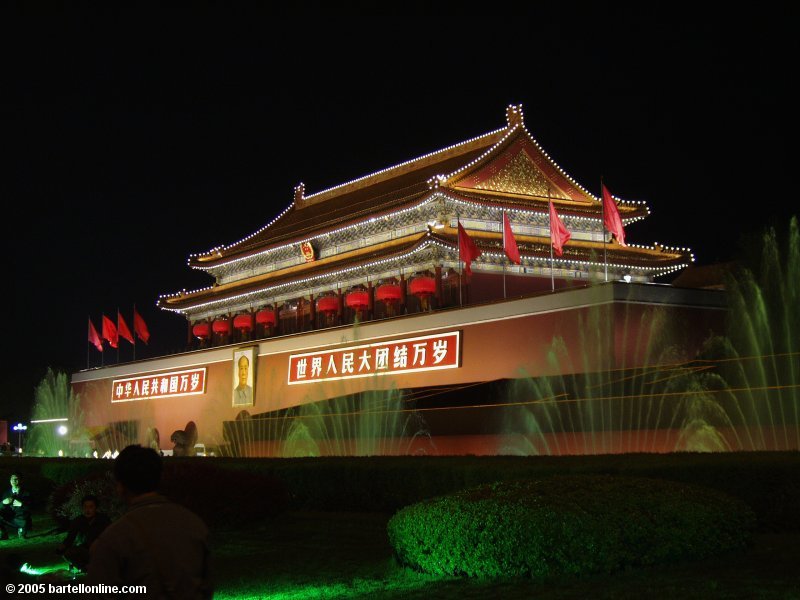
(163, 385)
(409, 355)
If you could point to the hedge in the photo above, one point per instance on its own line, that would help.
(220, 496)
(768, 481)
(567, 525)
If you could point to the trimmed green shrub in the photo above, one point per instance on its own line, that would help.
(64, 470)
(218, 495)
(567, 525)
(66, 501)
(769, 482)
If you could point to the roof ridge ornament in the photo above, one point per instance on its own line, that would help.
(436, 181)
(514, 115)
(299, 194)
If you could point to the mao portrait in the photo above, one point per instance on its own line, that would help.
(243, 375)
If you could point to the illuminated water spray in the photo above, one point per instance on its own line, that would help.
(740, 392)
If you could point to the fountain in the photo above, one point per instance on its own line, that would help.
(375, 422)
(633, 376)
(739, 392)
(759, 362)
(331, 421)
(57, 419)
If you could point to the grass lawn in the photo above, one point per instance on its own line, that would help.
(347, 555)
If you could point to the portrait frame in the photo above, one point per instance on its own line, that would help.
(243, 393)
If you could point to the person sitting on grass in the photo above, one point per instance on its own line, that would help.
(15, 509)
(83, 531)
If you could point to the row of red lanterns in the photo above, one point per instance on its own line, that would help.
(242, 322)
(421, 286)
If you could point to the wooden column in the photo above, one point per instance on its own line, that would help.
(370, 301)
(299, 314)
(340, 309)
(438, 278)
(312, 312)
(403, 308)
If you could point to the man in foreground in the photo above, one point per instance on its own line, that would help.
(156, 543)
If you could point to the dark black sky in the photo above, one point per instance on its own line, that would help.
(134, 140)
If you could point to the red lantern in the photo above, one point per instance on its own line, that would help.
(327, 304)
(243, 322)
(358, 299)
(201, 330)
(388, 292)
(221, 326)
(422, 286)
(265, 317)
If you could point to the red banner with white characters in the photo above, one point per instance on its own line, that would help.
(409, 355)
(163, 385)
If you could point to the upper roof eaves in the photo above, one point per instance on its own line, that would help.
(359, 197)
(386, 190)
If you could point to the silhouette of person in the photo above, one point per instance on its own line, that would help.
(243, 393)
(156, 543)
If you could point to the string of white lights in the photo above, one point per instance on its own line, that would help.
(426, 200)
(218, 249)
(436, 182)
(422, 246)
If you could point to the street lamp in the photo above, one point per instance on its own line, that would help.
(19, 428)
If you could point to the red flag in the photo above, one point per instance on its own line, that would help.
(509, 242)
(611, 218)
(110, 332)
(94, 339)
(122, 328)
(467, 250)
(140, 327)
(559, 235)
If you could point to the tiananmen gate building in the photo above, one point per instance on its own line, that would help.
(349, 323)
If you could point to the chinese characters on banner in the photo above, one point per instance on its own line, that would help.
(163, 385)
(427, 353)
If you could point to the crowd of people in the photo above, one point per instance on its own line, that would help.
(7, 449)
(155, 543)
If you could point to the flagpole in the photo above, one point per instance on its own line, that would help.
(102, 353)
(460, 298)
(603, 228)
(88, 335)
(503, 223)
(118, 344)
(550, 213)
(134, 332)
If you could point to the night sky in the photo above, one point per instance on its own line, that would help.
(133, 142)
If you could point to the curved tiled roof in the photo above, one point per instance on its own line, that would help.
(362, 197)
